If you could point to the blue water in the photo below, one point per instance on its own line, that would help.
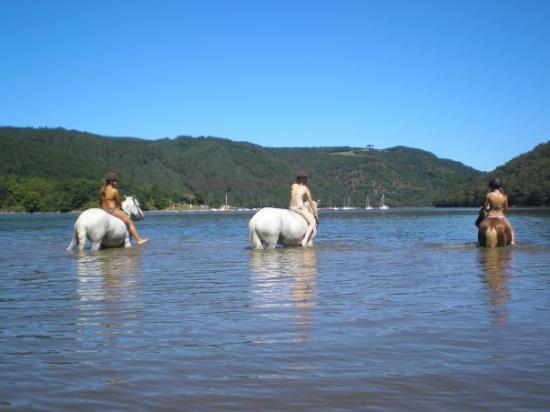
(394, 310)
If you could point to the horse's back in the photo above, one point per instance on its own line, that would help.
(92, 218)
(273, 225)
(92, 212)
(494, 232)
(266, 220)
(100, 228)
(276, 218)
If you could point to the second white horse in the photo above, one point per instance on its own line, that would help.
(271, 226)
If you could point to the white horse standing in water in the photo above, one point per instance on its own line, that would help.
(104, 230)
(271, 226)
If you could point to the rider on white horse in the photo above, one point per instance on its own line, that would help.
(111, 203)
(102, 229)
(301, 201)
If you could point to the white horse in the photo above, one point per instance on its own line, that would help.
(271, 226)
(104, 230)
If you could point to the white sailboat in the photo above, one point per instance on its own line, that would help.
(367, 204)
(383, 205)
(348, 207)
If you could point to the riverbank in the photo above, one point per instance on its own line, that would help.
(198, 209)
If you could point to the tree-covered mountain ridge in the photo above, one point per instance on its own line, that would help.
(44, 169)
(525, 178)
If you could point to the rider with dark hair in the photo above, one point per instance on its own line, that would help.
(496, 205)
(109, 199)
(299, 194)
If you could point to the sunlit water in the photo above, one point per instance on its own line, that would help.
(389, 310)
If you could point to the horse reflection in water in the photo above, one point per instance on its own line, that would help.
(494, 264)
(107, 288)
(107, 276)
(285, 278)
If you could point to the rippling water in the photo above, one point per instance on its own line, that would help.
(389, 310)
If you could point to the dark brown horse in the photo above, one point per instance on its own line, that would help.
(493, 231)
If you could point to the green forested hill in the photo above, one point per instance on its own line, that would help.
(58, 169)
(525, 178)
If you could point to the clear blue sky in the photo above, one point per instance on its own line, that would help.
(466, 80)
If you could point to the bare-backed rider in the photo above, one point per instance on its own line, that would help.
(110, 202)
(299, 195)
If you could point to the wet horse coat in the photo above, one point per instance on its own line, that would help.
(493, 231)
(271, 226)
(104, 230)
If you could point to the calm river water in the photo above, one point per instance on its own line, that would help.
(394, 310)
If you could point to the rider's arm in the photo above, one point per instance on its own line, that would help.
(310, 202)
(486, 202)
(116, 198)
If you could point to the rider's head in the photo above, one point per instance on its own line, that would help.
(301, 177)
(495, 183)
(111, 177)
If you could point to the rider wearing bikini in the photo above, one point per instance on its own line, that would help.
(111, 203)
(299, 193)
(496, 205)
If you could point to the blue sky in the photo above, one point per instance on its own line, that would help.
(466, 80)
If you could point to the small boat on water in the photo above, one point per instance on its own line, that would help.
(383, 205)
(347, 207)
(367, 204)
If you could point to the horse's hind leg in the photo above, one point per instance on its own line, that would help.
(255, 240)
(96, 246)
(81, 233)
(270, 242)
(74, 242)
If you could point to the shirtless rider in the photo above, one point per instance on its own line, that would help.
(111, 203)
(299, 194)
(496, 205)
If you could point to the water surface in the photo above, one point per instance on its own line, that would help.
(389, 310)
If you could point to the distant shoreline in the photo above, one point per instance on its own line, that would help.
(251, 210)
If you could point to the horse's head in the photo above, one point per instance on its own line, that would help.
(130, 205)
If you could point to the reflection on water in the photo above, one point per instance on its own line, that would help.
(494, 265)
(107, 275)
(389, 311)
(283, 277)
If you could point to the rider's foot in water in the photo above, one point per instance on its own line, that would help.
(142, 241)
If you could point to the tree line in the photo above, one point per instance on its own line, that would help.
(59, 170)
(526, 180)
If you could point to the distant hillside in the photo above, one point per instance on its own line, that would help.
(58, 169)
(525, 178)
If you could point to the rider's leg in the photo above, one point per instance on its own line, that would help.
(513, 240)
(310, 228)
(131, 228)
(309, 231)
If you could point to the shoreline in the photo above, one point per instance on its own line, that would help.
(242, 210)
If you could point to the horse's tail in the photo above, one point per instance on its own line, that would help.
(74, 241)
(79, 236)
(494, 232)
(255, 241)
(491, 237)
